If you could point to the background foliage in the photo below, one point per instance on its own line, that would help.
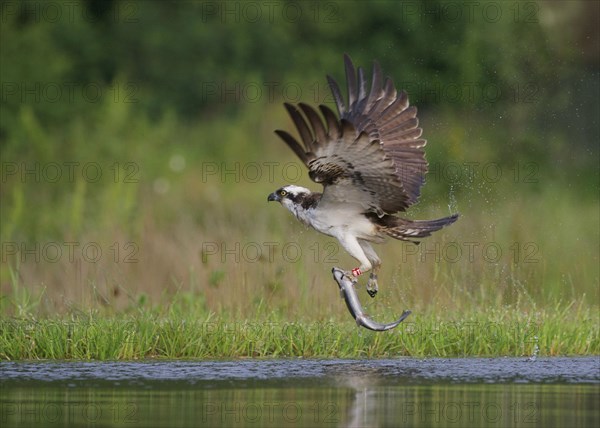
(175, 103)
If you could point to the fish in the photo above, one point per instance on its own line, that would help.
(348, 293)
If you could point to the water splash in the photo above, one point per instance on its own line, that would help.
(452, 202)
(536, 350)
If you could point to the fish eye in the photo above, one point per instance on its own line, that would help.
(282, 193)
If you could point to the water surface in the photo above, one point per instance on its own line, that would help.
(499, 392)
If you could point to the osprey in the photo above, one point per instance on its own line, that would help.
(371, 164)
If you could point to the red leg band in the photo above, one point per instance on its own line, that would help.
(356, 272)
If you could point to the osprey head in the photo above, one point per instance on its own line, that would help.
(291, 193)
(290, 196)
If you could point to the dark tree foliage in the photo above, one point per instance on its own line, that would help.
(536, 63)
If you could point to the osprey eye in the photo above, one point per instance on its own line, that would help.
(282, 193)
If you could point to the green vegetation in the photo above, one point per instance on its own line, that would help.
(563, 331)
(134, 223)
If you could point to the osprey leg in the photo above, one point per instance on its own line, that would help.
(372, 286)
(348, 292)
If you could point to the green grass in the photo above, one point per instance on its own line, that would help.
(499, 332)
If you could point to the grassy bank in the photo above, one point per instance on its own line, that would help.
(565, 330)
(176, 253)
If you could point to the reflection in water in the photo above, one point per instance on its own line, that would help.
(316, 405)
(343, 394)
(476, 406)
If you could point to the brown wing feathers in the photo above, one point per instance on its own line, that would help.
(333, 147)
(294, 145)
(385, 114)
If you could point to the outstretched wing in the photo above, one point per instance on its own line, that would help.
(372, 156)
(352, 166)
(385, 114)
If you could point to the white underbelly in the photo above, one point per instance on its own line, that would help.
(333, 222)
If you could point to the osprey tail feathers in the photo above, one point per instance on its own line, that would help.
(407, 230)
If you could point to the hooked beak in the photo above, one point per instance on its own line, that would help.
(273, 197)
